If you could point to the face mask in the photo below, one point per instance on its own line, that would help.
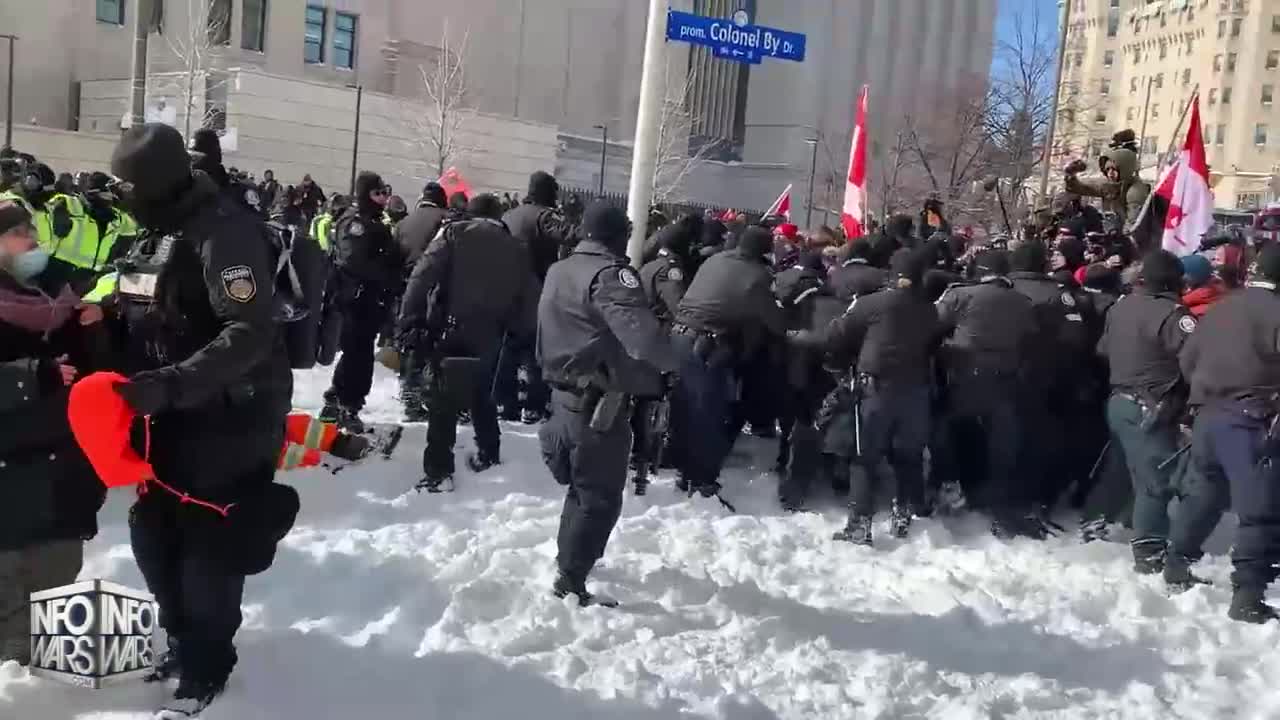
(29, 264)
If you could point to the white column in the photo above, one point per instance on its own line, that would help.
(653, 88)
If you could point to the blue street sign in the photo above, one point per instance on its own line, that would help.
(739, 43)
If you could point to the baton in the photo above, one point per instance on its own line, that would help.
(1175, 456)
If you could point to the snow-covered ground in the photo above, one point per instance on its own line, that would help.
(388, 604)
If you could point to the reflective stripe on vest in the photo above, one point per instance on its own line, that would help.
(320, 230)
(296, 456)
(105, 286)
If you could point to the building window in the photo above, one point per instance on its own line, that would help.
(1236, 26)
(1137, 55)
(1221, 137)
(1113, 25)
(1128, 116)
(1133, 85)
(1104, 87)
(1115, 4)
(1079, 59)
(1148, 146)
(1273, 59)
(220, 22)
(1260, 134)
(1191, 44)
(1213, 96)
(1237, 5)
(1275, 24)
(1231, 62)
(1222, 28)
(1248, 201)
(1186, 76)
(253, 25)
(111, 11)
(1226, 96)
(1268, 93)
(313, 45)
(1069, 116)
(1109, 58)
(1159, 81)
(1100, 116)
(344, 41)
(1217, 63)
(1155, 111)
(1164, 51)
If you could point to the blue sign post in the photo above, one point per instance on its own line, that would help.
(735, 41)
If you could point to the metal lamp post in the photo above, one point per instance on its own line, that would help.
(604, 154)
(355, 141)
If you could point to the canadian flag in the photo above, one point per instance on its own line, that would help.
(1185, 187)
(781, 206)
(855, 193)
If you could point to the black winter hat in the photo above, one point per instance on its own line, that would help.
(434, 193)
(1029, 257)
(907, 264)
(1072, 248)
(755, 241)
(12, 215)
(485, 205)
(205, 142)
(153, 158)
(607, 225)
(543, 189)
(1267, 264)
(860, 248)
(1162, 271)
(366, 183)
(992, 262)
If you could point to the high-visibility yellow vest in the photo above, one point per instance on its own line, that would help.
(82, 246)
(106, 286)
(321, 226)
(39, 218)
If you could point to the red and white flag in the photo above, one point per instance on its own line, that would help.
(781, 206)
(1185, 187)
(854, 215)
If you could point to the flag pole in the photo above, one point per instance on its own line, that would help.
(1186, 109)
(1146, 205)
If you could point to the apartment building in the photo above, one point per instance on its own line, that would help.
(1136, 63)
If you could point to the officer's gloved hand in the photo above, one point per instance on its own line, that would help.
(148, 392)
(62, 223)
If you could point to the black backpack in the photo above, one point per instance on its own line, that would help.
(301, 272)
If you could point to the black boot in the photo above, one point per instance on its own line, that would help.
(858, 531)
(349, 420)
(640, 482)
(566, 586)
(900, 520)
(1148, 555)
(1177, 573)
(350, 447)
(435, 484)
(1247, 606)
(331, 412)
(481, 461)
(190, 700)
(168, 664)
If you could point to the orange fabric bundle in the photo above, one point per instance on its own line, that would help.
(100, 420)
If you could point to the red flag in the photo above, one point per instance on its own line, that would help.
(453, 182)
(1185, 187)
(781, 206)
(855, 193)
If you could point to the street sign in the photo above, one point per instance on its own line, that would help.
(735, 39)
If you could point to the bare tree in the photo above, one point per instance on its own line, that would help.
(677, 156)
(197, 50)
(891, 162)
(438, 128)
(951, 141)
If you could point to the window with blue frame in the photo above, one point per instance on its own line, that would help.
(313, 44)
(111, 11)
(344, 40)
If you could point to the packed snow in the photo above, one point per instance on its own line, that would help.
(384, 603)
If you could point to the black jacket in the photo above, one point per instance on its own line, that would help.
(208, 332)
(891, 334)
(415, 233)
(1144, 333)
(367, 259)
(664, 280)
(1234, 353)
(595, 326)
(48, 491)
(856, 277)
(731, 296)
(988, 326)
(1064, 341)
(545, 232)
(476, 277)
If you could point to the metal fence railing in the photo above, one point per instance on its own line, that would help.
(671, 210)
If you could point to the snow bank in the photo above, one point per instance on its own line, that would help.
(390, 604)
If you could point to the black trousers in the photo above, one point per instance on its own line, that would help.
(353, 375)
(199, 598)
(895, 424)
(457, 386)
(593, 466)
(984, 440)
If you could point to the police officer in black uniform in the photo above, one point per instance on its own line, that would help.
(547, 235)
(988, 328)
(856, 276)
(210, 375)
(1232, 362)
(600, 346)
(473, 287)
(206, 156)
(726, 315)
(1144, 333)
(414, 234)
(368, 277)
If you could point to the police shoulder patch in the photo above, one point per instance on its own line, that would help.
(675, 274)
(1068, 299)
(628, 278)
(356, 228)
(1187, 324)
(238, 283)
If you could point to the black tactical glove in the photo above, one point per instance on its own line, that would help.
(1076, 167)
(148, 392)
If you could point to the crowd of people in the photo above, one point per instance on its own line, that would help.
(1072, 366)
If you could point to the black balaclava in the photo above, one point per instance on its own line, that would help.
(366, 183)
(206, 152)
(38, 184)
(156, 176)
(756, 242)
(1030, 257)
(990, 263)
(1162, 272)
(607, 225)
